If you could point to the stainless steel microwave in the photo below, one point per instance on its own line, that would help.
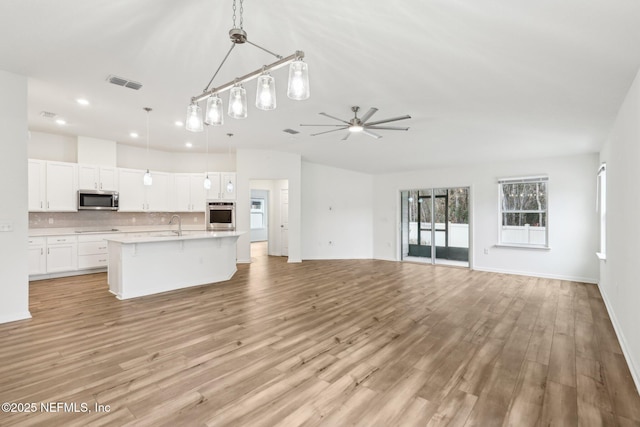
(93, 200)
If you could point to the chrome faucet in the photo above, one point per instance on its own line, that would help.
(179, 224)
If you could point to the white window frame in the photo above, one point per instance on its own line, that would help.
(601, 207)
(522, 180)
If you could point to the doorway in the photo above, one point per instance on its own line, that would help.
(435, 225)
(269, 215)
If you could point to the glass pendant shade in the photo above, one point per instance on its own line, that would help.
(229, 187)
(298, 88)
(147, 179)
(207, 183)
(266, 92)
(238, 102)
(194, 118)
(214, 114)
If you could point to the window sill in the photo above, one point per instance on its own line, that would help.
(516, 246)
(601, 256)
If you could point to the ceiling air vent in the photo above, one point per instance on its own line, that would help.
(47, 114)
(290, 131)
(120, 81)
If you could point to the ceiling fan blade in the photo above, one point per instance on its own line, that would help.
(368, 114)
(334, 118)
(386, 127)
(327, 131)
(322, 125)
(371, 134)
(346, 136)
(379, 122)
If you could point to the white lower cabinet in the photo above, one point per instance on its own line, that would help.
(62, 253)
(92, 251)
(37, 255)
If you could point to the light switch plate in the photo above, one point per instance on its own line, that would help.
(6, 226)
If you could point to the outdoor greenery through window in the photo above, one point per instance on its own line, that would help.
(524, 211)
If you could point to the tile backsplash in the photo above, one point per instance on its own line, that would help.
(109, 219)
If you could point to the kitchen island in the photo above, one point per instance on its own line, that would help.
(165, 261)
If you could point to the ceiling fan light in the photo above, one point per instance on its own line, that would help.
(194, 118)
(266, 92)
(356, 128)
(298, 87)
(238, 102)
(214, 114)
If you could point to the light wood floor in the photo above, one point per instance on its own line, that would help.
(331, 343)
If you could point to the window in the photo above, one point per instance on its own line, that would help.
(524, 212)
(601, 206)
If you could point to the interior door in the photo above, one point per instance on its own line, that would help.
(284, 222)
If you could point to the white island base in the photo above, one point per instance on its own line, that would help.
(149, 265)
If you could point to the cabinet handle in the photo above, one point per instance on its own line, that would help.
(60, 240)
(143, 206)
(48, 251)
(41, 251)
(95, 185)
(102, 247)
(47, 205)
(40, 204)
(101, 186)
(102, 260)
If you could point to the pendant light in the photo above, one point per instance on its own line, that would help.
(238, 102)
(147, 179)
(298, 88)
(214, 114)
(266, 92)
(194, 118)
(229, 185)
(207, 181)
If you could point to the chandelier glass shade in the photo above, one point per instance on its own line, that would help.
(266, 92)
(238, 102)
(214, 115)
(194, 118)
(297, 88)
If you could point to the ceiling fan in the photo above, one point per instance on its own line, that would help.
(360, 124)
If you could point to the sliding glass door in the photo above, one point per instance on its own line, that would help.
(435, 225)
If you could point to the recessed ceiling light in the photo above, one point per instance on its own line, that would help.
(82, 101)
(134, 135)
(179, 123)
(188, 145)
(61, 122)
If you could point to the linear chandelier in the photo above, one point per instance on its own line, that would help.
(298, 86)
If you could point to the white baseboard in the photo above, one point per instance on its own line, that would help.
(535, 274)
(633, 368)
(243, 261)
(15, 317)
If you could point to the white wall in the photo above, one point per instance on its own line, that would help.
(619, 284)
(14, 276)
(337, 217)
(47, 146)
(572, 215)
(267, 165)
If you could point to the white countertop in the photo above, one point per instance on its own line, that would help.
(165, 235)
(78, 231)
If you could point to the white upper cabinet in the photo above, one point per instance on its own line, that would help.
(62, 186)
(37, 185)
(53, 186)
(93, 177)
(136, 197)
(188, 193)
(223, 186)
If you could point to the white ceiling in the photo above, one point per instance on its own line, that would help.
(482, 79)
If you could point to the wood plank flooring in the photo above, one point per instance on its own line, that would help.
(321, 343)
